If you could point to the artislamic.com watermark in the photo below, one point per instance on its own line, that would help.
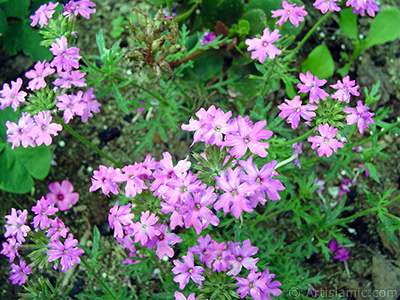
(295, 293)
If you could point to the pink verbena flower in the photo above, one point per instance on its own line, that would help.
(134, 176)
(220, 257)
(241, 257)
(360, 6)
(119, 217)
(359, 115)
(18, 273)
(264, 46)
(297, 151)
(62, 195)
(66, 252)
(147, 227)
(345, 89)
(325, 5)
(82, 7)
(44, 129)
(43, 208)
(43, 14)
(42, 70)
(92, 105)
(68, 79)
(342, 254)
(10, 248)
(163, 241)
(311, 84)
(294, 109)
(291, 12)
(258, 286)
(57, 229)
(12, 96)
(64, 58)
(187, 270)
(203, 249)
(270, 287)
(180, 296)
(333, 245)
(21, 133)
(234, 198)
(71, 105)
(208, 37)
(15, 226)
(104, 179)
(248, 137)
(326, 142)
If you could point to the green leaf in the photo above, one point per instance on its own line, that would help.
(10, 38)
(3, 22)
(257, 19)
(16, 8)
(319, 62)
(36, 160)
(226, 11)
(122, 102)
(29, 42)
(348, 23)
(385, 27)
(208, 65)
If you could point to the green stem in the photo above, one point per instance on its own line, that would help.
(309, 33)
(379, 134)
(87, 143)
(104, 286)
(290, 142)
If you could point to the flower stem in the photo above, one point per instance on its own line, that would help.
(87, 143)
(379, 134)
(306, 37)
(302, 137)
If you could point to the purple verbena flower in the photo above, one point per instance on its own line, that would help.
(164, 241)
(119, 217)
(44, 129)
(21, 133)
(71, 105)
(43, 208)
(325, 5)
(134, 176)
(104, 179)
(270, 287)
(333, 245)
(92, 105)
(326, 142)
(241, 257)
(62, 195)
(320, 184)
(291, 12)
(312, 84)
(180, 296)
(345, 89)
(359, 115)
(82, 7)
(43, 14)
(147, 227)
(15, 226)
(57, 229)
(12, 96)
(258, 285)
(42, 70)
(294, 109)
(186, 270)
(10, 248)
(66, 252)
(264, 45)
(203, 249)
(342, 254)
(68, 79)
(208, 37)
(18, 273)
(297, 151)
(360, 6)
(64, 58)
(220, 256)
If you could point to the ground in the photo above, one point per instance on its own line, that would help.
(374, 262)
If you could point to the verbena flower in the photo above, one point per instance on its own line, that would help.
(66, 252)
(203, 249)
(15, 226)
(43, 208)
(92, 105)
(291, 12)
(271, 287)
(43, 14)
(326, 142)
(57, 229)
(41, 70)
(147, 228)
(333, 245)
(134, 176)
(119, 217)
(104, 179)
(71, 105)
(18, 273)
(67, 79)
(64, 58)
(312, 84)
(345, 89)
(220, 257)
(293, 110)
(186, 270)
(297, 151)
(359, 115)
(325, 5)
(241, 257)
(180, 296)
(264, 45)
(163, 241)
(82, 7)
(258, 285)
(208, 37)
(21, 133)
(44, 129)
(342, 254)
(62, 195)
(10, 248)
(248, 137)
(234, 199)
(12, 96)
(362, 6)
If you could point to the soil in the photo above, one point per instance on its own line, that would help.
(374, 263)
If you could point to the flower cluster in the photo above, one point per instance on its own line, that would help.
(17, 230)
(38, 129)
(359, 6)
(341, 253)
(230, 258)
